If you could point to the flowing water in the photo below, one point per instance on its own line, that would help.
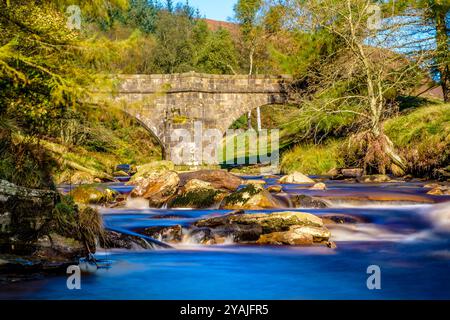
(406, 233)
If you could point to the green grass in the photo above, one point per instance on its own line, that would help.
(312, 159)
(430, 123)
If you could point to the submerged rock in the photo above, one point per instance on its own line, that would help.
(93, 195)
(275, 189)
(319, 186)
(157, 188)
(304, 201)
(173, 234)
(261, 182)
(440, 191)
(219, 179)
(342, 219)
(376, 178)
(296, 177)
(116, 240)
(251, 197)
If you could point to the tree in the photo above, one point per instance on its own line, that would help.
(359, 78)
(430, 18)
(218, 55)
(42, 76)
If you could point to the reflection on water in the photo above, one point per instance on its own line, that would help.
(410, 243)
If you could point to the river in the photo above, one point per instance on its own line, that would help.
(406, 234)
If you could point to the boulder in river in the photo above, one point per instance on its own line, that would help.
(305, 201)
(251, 197)
(439, 191)
(296, 235)
(255, 181)
(158, 188)
(150, 170)
(299, 227)
(342, 219)
(275, 189)
(173, 234)
(297, 178)
(116, 240)
(90, 194)
(375, 178)
(218, 179)
(197, 194)
(319, 186)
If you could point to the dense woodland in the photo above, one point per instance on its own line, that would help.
(361, 95)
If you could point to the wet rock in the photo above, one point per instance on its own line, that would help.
(275, 189)
(58, 248)
(173, 234)
(197, 194)
(115, 240)
(251, 197)
(24, 212)
(376, 178)
(342, 219)
(304, 201)
(319, 186)
(296, 177)
(296, 235)
(93, 195)
(292, 228)
(269, 222)
(157, 188)
(351, 172)
(219, 179)
(291, 238)
(261, 182)
(205, 236)
(440, 191)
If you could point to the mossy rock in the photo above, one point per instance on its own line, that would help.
(198, 199)
(149, 169)
(251, 197)
(93, 195)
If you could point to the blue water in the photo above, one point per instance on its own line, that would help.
(410, 243)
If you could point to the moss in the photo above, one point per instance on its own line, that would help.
(202, 198)
(92, 195)
(242, 195)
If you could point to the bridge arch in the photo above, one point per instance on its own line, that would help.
(162, 103)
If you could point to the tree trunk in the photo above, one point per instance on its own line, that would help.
(252, 51)
(258, 118)
(249, 120)
(443, 55)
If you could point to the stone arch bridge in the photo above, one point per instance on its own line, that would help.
(162, 103)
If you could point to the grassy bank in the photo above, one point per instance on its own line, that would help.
(420, 134)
